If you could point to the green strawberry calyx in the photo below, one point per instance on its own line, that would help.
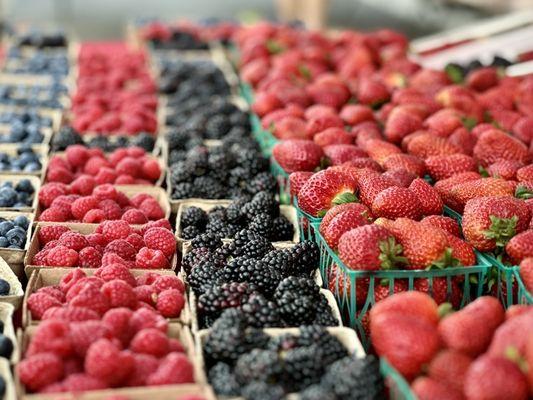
(501, 230)
(446, 261)
(512, 354)
(523, 192)
(444, 310)
(390, 255)
(344, 197)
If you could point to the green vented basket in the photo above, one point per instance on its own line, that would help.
(307, 223)
(264, 137)
(340, 280)
(523, 296)
(283, 181)
(246, 92)
(398, 387)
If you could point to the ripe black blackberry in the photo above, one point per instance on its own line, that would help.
(194, 216)
(258, 365)
(282, 229)
(221, 228)
(252, 161)
(183, 190)
(217, 298)
(355, 378)
(331, 348)
(204, 276)
(233, 210)
(262, 202)
(209, 240)
(261, 313)
(297, 298)
(244, 236)
(144, 140)
(283, 342)
(217, 126)
(317, 392)
(193, 258)
(324, 315)
(180, 173)
(262, 391)
(66, 136)
(262, 224)
(190, 232)
(103, 143)
(255, 248)
(263, 181)
(254, 272)
(223, 380)
(281, 260)
(239, 117)
(238, 178)
(306, 257)
(225, 252)
(175, 156)
(217, 212)
(176, 138)
(302, 367)
(207, 187)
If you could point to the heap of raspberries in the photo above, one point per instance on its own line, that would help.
(85, 167)
(113, 242)
(81, 201)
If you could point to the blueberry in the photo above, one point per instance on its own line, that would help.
(4, 287)
(5, 227)
(4, 166)
(3, 241)
(22, 221)
(33, 166)
(16, 237)
(6, 346)
(2, 387)
(1, 331)
(8, 184)
(10, 195)
(24, 186)
(23, 198)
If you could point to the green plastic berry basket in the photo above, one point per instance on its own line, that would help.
(264, 137)
(283, 181)
(246, 92)
(355, 303)
(306, 223)
(398, 387)
(523, 296)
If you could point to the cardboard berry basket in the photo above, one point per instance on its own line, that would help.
(15, 257)
(35, 182)
(39, 149)
(52, 276)
(14, 298)
(35, 246)
(166, 392)
(6, 316)
(46, 132)
(288, 211)
(5, 373)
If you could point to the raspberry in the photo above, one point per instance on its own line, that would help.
(144, 318)
(89, 257)
(105, 176)
(122, 248)
(119, 294)
(115, 271)
(73, 240)
(77, 155)
(40, 257)
(170, 302)
(117, 320)
(151, 170)
(151, 259)
(84, 333)
(96, 239)
(139, 198)
(70, 314)
(64, 203)
(51, 244)
(80, 382)
(111, 209)
(117, 155)
(122, 199)
(169, 282)
(51, 232)
(83, 185)
(62, 256)
(50, 191)
(52, 336)
(144, 365)
(150, 341)
(135, 240)
(135, 151)
(105, 192)
(71, 279)
(83, 205)
(94, 216)
(106, 362)
(151, 208)
(148, 278)
(175, 368)
(93, 165)
(145, 293)
(142, 304)
(53, 291)
(160, 239)
(124, 180)
(128, 166)
(113, 258)
(175, 345)
(40, 370)
(54, 215)
(91, 298)
(59, 174)
(78, 286)
(58, 162)
(115, 230)
(38, 303)
(134, 216)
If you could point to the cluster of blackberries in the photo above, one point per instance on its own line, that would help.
(45, 96)
(25, 160)
(260, 214)
(16, 196)
(37, 63)
(228, 171)
(179, 40)
(13, 232)
(68, 136)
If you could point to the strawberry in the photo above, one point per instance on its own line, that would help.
(509, 339)
(470, 330)
(332, 136)
(320, 123)
(504, 119)
(326, 189)
(438, 290)
(525, 174)
(343, 222)
(449, 367)
(413, 303)
(523, 129)
(341, 153)
(400, 177)
(461, 193)
(444, 187)
(445, 223)
(371, 91)
(336, 210)
(290, 128)
(495, 145)
(396, 202)
(526, 273)
(429, 389)
(400, 123)
(504, 169)
(443, 122)
(378, 150)
(297, 155)
(506, 380)
(461, 250)
(297, 180)
(428, 198)
(369, 247)
(318, 110)
(490, 222)
(362, 162)
(407, 162)
(382, 289)
(520, 246)
(353, 114)
(329, 92)
(427, 145)
(464, 140)
(370, 186)
(339, 284)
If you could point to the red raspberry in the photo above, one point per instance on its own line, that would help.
(115, 230)
(145, 293)
(83, 205)
(52, 336)
(111, 209)
(160, 239)
(57, 161)
(90, 297)
(129, 166)
(73, 240)
(70, 314)
(80, 382)
(119, 294)
(77, 155)
(142, 304)
(150, 341)
(139, 198)
(106, 362)
(175, 345)
(117, 155)
(135, 151)
(59, 174)
(54, 215)
(122, 248)
(151, 259)
(78, 286)
(169, 282)
(160, 223)
(40, 257)
(51, 244)
(116, 271)
(71, 279)
(113, 258)
(90, 257)
(84, 333)
(96, 151)
(124, 180)
(134, 216)
(135, 240)
(40, 370)
(105, 176)
(38, 303)
(144, 318)
(151, 208)
(50, 191)
(170, 302)
(93, 165)
(96, 239)
(51, 232)
(175, 368)
(144, 366)
(53, 291)
(105, 192)
(123, 200)
(63, 202)
(148, 278)
(83, 185)
(94, 217)
(151, 170)
(117, 320)
(62, 256)
(72, 366)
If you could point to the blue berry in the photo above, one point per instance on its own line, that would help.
(5, 227)
(3, 241)
(22, 221)
(4, 287)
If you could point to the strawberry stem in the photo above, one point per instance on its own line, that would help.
(512, 353)
(345, 197)
(501, 230)
(523, 192)
(446, 261)
(390, 254)
(444, 310)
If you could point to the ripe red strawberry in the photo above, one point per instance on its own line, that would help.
(329, 91)
(505, 119)
(332, 136)
(326, 189)
(369, 247)
(444, 122)
(463, 139)
(509, 339)
(428, 389)
(523, 129)
(370, 186)
(400, 123)
(482, 79)
(428, 197)
(114, 271)
(445, 223)
(297, 155)
(379, 150)
(170, 302)
(297, 180)
(427, 145)
(363, 163)
(407, 162)
(371, 91)
(353, 114)
(400, 177)
(320, 123)
(449, 367)
(343, 222)
(526, 273)
(340, 153)
(495, 145)
(525, 174)
(119, 294)
(396, 202)
(413, 303)
(438, 290)
(52, 336)
(160, 239)
(520, 246)
(51, 232)
(62, 256)
(265, 102)
(175, 368)
(490, 222)
(334, 211)
(504, 169)
(40, 370)
(444, 187)
(506, 381)
(461, 193)
(382, 290)
(106, 362)
(152, 259)
(470, 330)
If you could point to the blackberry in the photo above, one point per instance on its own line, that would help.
(176, 156)
(282, 229)
(261, 313)
(209, 240)
(226, 251)
(254, 272)
(144, 140)
(204, 276)
(194, 257)
(194, 216)
(283, 342)
(221, 228)
(183, 191)
(217, 212)
(262, 202)
(306, 257)
(190, 232)
(258, 365)
(176, 138)
(262, 391)
(263, 181)
(317, 392)
(209, 188)
(255, 248)
(262, 224)
(66, 136)
(330, 347)
(279, 259)
(244, 236)
(355, 378)
(223, 380)
(324, 314)
(219, 161)
(180, 173)
(217, 126)
(238, 178)
(239, 117)
(227, 295)
(252, 161)
(302, 367)
(233, 211)
(297, 298)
